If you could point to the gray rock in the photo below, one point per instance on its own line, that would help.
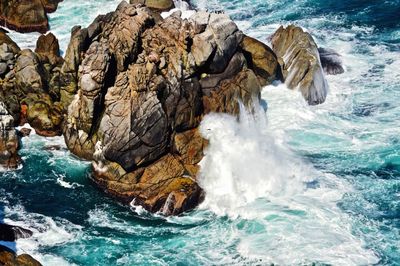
(29, 72)
(5, 56)
(3, 68)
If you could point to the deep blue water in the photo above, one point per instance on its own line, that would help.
(317, 185)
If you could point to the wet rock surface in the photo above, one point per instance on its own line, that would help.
(300, 60)
(11, 233)
(331, 61)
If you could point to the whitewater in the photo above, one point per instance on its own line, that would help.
(289, 184)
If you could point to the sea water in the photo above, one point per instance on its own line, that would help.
(291, 184)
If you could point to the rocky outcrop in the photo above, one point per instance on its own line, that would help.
(9, 158)
(300, 61)
(9, 258)
(30, 84)
(137, 87)
(26, 15)
(331, 61)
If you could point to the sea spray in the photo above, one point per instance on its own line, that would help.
(244, 162)
(279, 203)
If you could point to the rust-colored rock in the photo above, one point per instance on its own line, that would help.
(47, 46)
(9, 258)
(26, 15)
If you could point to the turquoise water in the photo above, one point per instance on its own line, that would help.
(316, 185)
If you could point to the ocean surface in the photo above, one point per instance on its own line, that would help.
(294, 185)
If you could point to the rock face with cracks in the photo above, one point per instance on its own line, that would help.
(137, 87)
(300, 61)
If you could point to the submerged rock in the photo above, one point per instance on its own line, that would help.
(26, 15)
(301, 66)
(331, 61)
(137, 87)
(11, 233)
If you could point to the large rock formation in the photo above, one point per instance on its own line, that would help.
(26, 15)
(301, 66)
(137, 87)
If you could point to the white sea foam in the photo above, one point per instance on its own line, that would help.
(47, 232)
(244, 162)
(249, 174)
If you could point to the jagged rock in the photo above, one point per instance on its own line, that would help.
(139, 87)
(331, 61)
(80, 41)
(26, 15)
(9, 258)
(11, 233)
(301, 67)
(9, 157)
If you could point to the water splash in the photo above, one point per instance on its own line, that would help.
(244, 162)
(283, 209)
